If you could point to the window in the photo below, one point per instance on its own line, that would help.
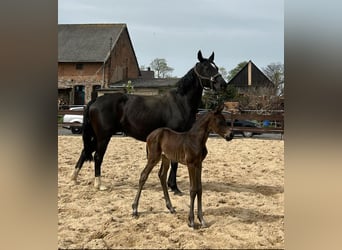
(79, 65)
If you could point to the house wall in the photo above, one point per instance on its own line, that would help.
(68, 77)
(122, 63)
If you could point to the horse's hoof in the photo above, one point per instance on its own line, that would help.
(176, 191)
(135, 215)
(102, 188)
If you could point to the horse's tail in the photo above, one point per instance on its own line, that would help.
(88, 135)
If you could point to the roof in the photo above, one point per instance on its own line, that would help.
(86, 42)
(258, 77)
(149, 83)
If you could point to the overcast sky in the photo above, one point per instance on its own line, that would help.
(236, 30)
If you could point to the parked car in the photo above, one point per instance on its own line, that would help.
(78, 119)
(74, 118)
(246, 124)
(237, 123)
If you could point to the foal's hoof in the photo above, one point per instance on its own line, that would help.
(204, 224)
(135, 214)
(191, 224)
(172, 210)
(75, 182)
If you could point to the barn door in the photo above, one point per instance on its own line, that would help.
(79, 94)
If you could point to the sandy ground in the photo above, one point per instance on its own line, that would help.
(243, 198)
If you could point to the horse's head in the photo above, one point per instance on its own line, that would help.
(208, 73)
(219, 124)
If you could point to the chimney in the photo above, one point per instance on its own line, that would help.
(249, 70)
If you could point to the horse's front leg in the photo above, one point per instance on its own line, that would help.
(172, 182)
(78, 166)
(199, 196)
(98, 158)
(162, 176)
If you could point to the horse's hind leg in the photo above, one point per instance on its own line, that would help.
(172, 182)
(162, 176)
(98, 158)
(78, 166)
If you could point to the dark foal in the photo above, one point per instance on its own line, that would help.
(189, 149)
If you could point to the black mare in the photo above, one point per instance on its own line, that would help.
(137, 116)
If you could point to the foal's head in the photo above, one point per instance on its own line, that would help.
(219, 125)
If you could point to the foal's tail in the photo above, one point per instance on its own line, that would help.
(88, 135)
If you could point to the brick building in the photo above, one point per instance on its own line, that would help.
(92, 56)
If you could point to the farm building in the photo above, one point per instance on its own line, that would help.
(260, 91)
(92, 56)
(250, 76)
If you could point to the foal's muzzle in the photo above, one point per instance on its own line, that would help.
(218, 83)
(229, 136)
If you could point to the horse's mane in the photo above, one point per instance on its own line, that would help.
(184, 84)
(202, 119)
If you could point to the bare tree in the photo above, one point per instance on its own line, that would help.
(159, 65)
(224, 73)
(275, 72)
(261, 99)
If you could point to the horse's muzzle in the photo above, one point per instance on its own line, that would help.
(229, 136)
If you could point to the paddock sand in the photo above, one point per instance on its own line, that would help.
(243, 198)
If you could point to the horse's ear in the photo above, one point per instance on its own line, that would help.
(211, 58)
(199, 56)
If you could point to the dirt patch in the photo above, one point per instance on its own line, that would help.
(243, 198)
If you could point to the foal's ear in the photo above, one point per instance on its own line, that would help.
(199, 56)
(211, 58)
(219, 108)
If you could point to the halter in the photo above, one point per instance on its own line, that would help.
(211, 78)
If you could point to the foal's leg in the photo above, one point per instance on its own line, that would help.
(98, 158)
(143, 177)
(199, 195)
(193, 192)
(162, 176)
(172, 182)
